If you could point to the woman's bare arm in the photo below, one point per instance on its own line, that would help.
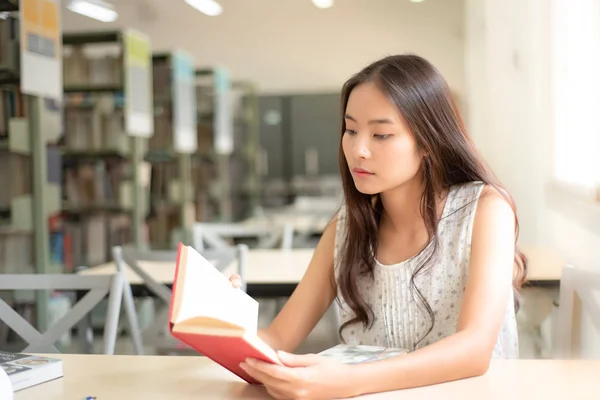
(309, 302)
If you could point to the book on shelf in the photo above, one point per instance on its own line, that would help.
(16, 253)
(25, 370)
(82, 69)
(208, 314)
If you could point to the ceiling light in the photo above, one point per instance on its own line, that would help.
(323, 3)
(208, 7)
(96, 9)
(417, 1)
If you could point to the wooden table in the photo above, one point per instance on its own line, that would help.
(268, 271)
(280, 270)
(545, 264)
(159, 378)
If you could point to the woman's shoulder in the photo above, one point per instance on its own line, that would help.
(478, 189)
(468, 189)
(462, 198)
(470, 200)
(481, 194)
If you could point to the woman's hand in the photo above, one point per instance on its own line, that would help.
(303, 377)
(236, 280)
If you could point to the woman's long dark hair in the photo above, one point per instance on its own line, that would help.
(424, 100)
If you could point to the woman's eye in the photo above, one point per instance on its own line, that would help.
(381, 137)
(350, 132)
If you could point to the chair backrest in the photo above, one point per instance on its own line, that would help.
(221, 258)
(317, 204)
(579, 291)
(215, 235)
(97, 286)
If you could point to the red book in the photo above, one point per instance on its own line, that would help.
(208, 314)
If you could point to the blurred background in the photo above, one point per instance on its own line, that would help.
(144, 123)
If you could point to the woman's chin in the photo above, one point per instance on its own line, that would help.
(367, 189)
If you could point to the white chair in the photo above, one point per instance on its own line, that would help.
(579, 291)
(317, 204)
(215, 235)
(537, 299)
(98, 288)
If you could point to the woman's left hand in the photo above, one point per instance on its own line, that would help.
(307, 376)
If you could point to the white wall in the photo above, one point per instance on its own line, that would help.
(504, 70)
(290, 45)
(509, 96)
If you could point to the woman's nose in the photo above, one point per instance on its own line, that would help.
(361, 149)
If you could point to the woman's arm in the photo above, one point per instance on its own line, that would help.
(468, 352)
(309, 302)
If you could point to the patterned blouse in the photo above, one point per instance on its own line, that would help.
(401, 321)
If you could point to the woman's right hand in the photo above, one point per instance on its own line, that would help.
(236, 280)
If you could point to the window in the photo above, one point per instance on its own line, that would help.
(576, 93)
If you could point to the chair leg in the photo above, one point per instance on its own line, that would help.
(111, 325)
(155, 333)
(134, 328)
(85, 334)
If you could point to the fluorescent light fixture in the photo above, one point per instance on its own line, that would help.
(208, 7)
(96, 9)
(323, 3)
(417, 1)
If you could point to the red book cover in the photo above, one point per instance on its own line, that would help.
(219, 339)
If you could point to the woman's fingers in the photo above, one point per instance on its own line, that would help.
(236, 281)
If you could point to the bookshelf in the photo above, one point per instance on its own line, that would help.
(170, 149)
(246, 200)
(227, 169)
(9, 5)
(107, 121)
(29, 157)
(210, 169)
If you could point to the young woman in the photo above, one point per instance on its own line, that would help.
(422, 254)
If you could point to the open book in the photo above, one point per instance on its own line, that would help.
(208, 314)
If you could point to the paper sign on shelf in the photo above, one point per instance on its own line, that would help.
(41, 48)
(139, 108)
(184, 103)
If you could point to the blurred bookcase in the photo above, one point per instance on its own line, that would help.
(107, 121)
(30, 123)
(226, 167)
(170, 150)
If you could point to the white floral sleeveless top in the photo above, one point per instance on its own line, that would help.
(401, 320)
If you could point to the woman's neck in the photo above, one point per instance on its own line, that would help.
(402, 206)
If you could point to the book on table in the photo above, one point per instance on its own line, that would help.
(211, 316)
(358, 354)
(26, 370)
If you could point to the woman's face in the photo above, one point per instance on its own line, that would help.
(380, 150)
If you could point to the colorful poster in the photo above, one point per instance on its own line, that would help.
(139, 110)
(184, 103)
(41, 48)
(223, 113)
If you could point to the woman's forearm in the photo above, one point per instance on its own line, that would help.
(269, 337)
(459, 356)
